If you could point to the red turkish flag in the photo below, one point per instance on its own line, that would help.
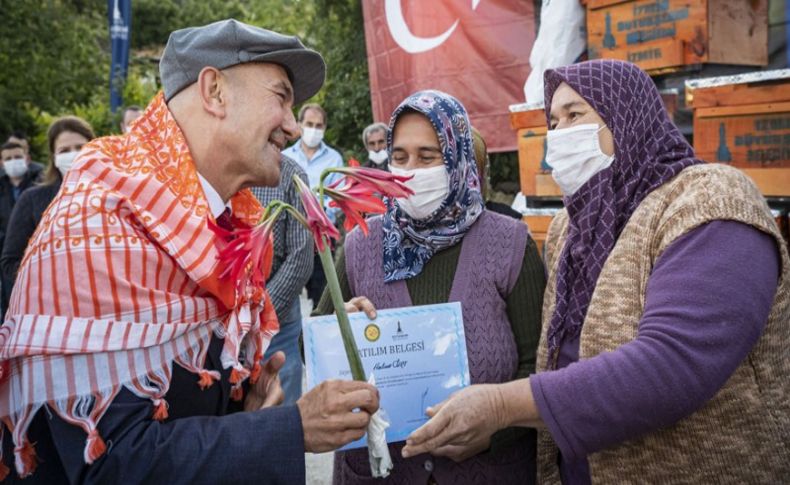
(475, 50)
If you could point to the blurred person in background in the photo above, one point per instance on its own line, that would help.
(65, 138)
(19, 175)
(483, 167)
(291, 268)
(129, 114)
(314, 155)
(19, 137)
(375, 139)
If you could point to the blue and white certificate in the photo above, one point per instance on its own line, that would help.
(417, 355)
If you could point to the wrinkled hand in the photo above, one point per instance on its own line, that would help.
(329, 419)
(267, 391)
(460, 426)
(361, 304)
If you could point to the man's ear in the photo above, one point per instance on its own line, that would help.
(213, 88)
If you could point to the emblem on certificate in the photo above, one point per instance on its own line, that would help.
(417, 355)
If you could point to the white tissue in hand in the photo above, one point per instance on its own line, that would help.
(378, 451)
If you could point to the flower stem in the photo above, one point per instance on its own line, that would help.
(332, 283)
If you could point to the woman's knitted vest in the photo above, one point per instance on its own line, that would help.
(742, 435)
(488, 267)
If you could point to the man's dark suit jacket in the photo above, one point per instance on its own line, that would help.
(202, 442)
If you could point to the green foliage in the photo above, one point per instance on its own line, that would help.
(54, 55)
(503, 171)
(55, 59)
(153, 20)
(338, 32)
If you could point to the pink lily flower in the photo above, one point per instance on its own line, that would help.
(317, 220)
(356, 201)
(246, 253)
(356, 193)
(377, 181)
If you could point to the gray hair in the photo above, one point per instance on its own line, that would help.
(373, 128)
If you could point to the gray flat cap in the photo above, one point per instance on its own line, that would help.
(229, 42)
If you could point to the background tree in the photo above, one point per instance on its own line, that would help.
(338, 32)
(56, 56)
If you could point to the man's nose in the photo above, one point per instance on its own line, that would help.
(289, 126)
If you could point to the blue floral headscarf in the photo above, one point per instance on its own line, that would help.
(409, 244)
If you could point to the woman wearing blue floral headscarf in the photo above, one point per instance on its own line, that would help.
(441, 245)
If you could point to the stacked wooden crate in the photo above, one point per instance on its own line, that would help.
(741, 120)
(665, 35)
(529, 122)
(744, 121)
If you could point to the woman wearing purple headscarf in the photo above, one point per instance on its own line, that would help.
(663, 357)
(441, 245)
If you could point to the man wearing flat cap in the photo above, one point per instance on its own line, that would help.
(123, 357)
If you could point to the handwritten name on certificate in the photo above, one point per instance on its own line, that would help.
(417, 355)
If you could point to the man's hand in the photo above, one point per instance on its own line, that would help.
(361, 304)
(460, 426)
(267, 391)
(329, 419)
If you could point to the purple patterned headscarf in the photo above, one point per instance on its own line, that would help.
(408, 243)
(649, 151)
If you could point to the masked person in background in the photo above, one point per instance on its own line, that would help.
(314, 156)
(441, 245)
(65, 138)
(663, 356)
(19, 175)
(374, 138)
(19, 137)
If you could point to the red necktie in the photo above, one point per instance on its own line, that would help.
(224, 220)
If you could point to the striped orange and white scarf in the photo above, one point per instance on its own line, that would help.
(120, 280)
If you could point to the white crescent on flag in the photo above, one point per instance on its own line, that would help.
(405, 38)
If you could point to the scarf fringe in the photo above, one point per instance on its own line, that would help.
(255, 373)
(207, 378)
(237, 393)
(195, 361)
(160, 410)
(25, 459)
(94, 447)
(238, 338)
(86, 411)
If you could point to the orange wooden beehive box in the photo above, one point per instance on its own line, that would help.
(744, 121)
(664, 35)
(529, 121)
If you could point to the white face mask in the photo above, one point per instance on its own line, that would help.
(430, 187)
(312, 136)
(575, 155)
(65, 160)
(15, 167)
(378, 157)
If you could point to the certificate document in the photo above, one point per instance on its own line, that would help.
(417, 355)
